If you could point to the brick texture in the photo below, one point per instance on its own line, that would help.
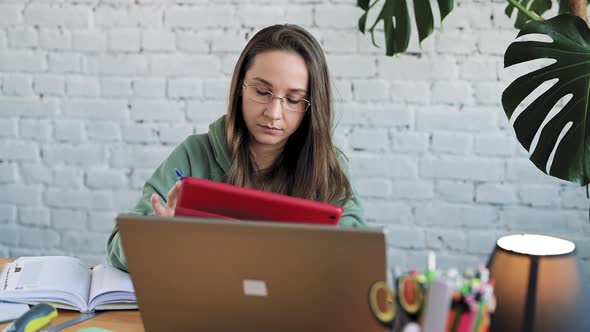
(95, 94)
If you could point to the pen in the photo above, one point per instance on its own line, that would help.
(180, 174)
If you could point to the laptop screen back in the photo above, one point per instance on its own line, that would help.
(214, 275)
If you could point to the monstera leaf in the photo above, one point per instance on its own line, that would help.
(570, 49)
(538, 7)
(396, 21)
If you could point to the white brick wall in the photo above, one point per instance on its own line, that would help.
(95, 94)
(21, 37)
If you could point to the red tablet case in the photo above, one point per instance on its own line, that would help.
(209, 199)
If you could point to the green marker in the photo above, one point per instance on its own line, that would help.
(34, 319)
(431, 271)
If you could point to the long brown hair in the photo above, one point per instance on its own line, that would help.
(308, 166)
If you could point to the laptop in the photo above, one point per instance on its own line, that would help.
(218, 275)
(210, 199)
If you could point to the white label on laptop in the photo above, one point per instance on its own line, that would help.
(255, 288)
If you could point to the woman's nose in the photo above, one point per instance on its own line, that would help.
(274, 109)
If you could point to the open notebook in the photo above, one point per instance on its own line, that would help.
(66, 283)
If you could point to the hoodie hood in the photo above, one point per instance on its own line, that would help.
(218, 141)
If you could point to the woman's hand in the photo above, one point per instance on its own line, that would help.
(168, 210)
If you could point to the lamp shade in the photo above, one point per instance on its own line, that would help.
(538, 285)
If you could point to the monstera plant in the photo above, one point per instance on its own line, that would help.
(564, 140)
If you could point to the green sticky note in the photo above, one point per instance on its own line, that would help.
(93, 329)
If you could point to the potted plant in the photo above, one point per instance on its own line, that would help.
(564, 140)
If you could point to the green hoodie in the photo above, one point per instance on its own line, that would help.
(204, 156)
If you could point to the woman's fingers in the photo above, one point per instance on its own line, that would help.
(173, 196)
(159, 210)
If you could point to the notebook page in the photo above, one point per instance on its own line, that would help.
(30, 276)
(11, 311)
(111, 285)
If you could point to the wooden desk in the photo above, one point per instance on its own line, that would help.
(126, 320)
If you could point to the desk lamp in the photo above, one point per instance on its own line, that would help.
(538, 285)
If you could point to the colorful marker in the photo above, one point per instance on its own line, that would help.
(431, 272)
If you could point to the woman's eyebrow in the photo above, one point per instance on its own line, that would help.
(262, 80)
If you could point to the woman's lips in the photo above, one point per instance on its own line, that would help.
(270, 128)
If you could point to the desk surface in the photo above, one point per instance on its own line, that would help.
(127, 320)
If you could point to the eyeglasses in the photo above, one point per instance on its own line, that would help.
(263, 96)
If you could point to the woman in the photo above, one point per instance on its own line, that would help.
(276, 135)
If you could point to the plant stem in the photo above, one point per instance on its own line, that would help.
(578, 8)
(532, 15)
